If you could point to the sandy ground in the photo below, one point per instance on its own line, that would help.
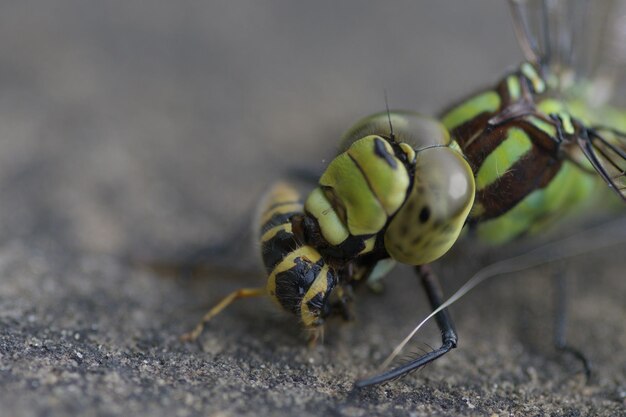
(145, 129)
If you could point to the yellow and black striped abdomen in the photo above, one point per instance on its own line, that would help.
(299, 279)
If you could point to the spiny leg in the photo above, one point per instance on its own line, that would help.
(560, 324)
(225, 302)
(449, 338)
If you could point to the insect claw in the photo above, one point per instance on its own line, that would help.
(316, 335)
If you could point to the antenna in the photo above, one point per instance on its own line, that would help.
(545, 29)
(520, 24)
(391, 135)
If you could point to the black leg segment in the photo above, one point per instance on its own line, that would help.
(449, 337)
(560, 324)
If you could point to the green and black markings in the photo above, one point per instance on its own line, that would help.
(506, 161)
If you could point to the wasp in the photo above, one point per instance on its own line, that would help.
(507, 161)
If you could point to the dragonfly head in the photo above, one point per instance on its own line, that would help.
(434, 212)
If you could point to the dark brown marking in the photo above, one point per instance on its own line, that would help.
(487, 141)
(277, 248)
(381, 151)
(335, 202)
(276, 220)
(364, 175)
(534, 170)
(424, 214)
(478, 137)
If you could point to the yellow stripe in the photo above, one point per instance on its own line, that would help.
(282, 192)
(489, 102)
(501, 159)
(369, 245)
(568, 125)
(529, 72)
(409, 151)
(282, 209)
(332, 227)
(287, 263)
(551, 106)
(274, 230)
(513, 85)
(542, 125)
(319, 286)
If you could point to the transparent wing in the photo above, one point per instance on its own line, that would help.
(581, 42)
(582, 46)
(546, 30)
(603, 60)
(605, 149)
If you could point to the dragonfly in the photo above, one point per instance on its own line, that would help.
(504, 162)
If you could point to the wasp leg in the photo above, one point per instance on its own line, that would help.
(341, 306)
(225, 302)
(449, 338)
(316, 334)
(560, 325)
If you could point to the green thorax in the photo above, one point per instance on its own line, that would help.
(523, 183)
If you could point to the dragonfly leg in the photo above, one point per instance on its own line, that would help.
(431, 285)
(449, 338)
(225, 302)
(560, 324)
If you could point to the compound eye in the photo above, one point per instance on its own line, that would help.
(431, 218)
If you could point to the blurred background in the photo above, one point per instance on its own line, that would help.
(130, 122)
(146, 127)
